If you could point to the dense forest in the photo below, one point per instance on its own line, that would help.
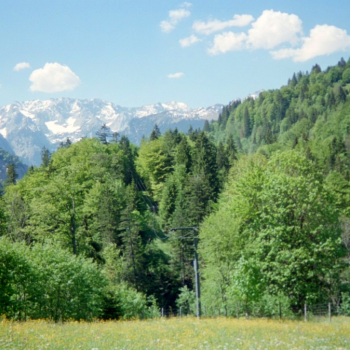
(88, 233)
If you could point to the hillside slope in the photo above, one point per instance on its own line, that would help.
(311, 112)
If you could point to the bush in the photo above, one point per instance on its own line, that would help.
(45, 281)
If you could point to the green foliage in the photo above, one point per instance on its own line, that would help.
(155, 133)
(186, 300)
(283, 217)
(45, 157)
(247, 281)
(154, 164)
(47, 282)
(11, 175)
(134, 304)
(345, 305)
(277, 236)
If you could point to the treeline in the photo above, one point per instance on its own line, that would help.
(268, 185)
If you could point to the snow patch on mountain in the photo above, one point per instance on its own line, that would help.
(67, 127)
(3, 132)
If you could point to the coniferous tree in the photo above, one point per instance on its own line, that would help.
(155, 133)
(45, 157)
(183, 154)
(168, 200)
(294, 81)
(65, 144)
(177, 137)
(316, 69)
(222, 161)
(223, 164)
(204, 163)
(129, 160)
(206, 126)
(108, 214)
(246, 123)
(11, 174)
(104, 134)
(131, 239)
(231, 149)
(115, 137)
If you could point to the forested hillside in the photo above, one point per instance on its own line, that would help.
(87, 234)
(310, 113)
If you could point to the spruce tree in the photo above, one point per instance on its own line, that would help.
(131, 239)
(246, 123)
(104, 134)
(168, 200)
(45, 157)
(155, 133)
(115, 137)
(221, 158)
(11, 174)
(129, 163)
(231, 150)
(204, 162)
(183, 154)
(65, 144)
(206, 126)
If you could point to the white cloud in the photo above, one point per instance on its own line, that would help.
(175, 16)
(216, 25)
(178, 15)
(186, 42)
(175, 75)
(274, 28)
(53, 77)
(228, 41)
(186, 4)
(20, 66)
(323, 40)
(166, 26)
(268, 31)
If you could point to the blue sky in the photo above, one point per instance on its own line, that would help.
(136, 52)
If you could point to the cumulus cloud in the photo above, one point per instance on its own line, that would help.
(175, 75)
(273, 28)
(20, 66)
(53, 77)
(216, 25)
(175, 16)
(322, 40)
(228, 41)
(186, 42)
(270, 30)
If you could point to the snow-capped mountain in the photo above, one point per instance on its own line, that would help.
(30, 125)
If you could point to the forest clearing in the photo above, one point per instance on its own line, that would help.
(177, 333)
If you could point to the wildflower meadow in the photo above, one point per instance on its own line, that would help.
(177, 333)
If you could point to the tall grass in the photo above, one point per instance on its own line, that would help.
(177, 333)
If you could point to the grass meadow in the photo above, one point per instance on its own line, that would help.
(177, 333)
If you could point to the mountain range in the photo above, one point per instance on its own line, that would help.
(27, 127)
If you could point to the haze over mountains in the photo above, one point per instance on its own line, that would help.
(25, 127)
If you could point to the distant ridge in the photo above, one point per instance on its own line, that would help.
(28, 126)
